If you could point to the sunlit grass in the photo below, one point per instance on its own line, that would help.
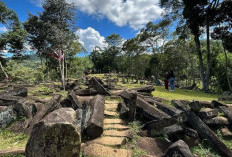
(10, 140)
(183, 94)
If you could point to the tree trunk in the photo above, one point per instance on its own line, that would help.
(41, 62)
(227, 75)
(201, 65)
(7, 77)
(61, 64)
(207, 77)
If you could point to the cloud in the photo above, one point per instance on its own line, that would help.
(37, 2)
(3, 29)
(90, 38)
(132, 13)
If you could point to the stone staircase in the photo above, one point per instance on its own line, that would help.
(115, 134)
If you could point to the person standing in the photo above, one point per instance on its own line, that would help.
(166, 80)
(172, 80)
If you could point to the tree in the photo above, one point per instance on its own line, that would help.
(104, 60)
(52, 30)
(13, 39)
(132, 48)
(223, 31)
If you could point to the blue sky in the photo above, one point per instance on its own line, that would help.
(99, 18)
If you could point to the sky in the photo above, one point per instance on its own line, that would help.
(98, 19)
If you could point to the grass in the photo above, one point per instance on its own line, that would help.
(135, 128)
(9, 140)
(183, 94)
(178, 94)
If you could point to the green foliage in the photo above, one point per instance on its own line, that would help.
(105, 60)
(78, 66)
(24, 70)
(16, 35)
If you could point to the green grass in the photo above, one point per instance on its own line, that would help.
(183, 94)
(10, 140)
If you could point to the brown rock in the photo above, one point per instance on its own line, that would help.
(16, 91)
(227, 111)
(148, 111)
(153, 146)
(7, 115)
(111, 141)
(94, 126)
(74, 101)
(208, 113)
(219, 120)
(56, 136)
(198, 105)
(98, 86)
(86, 92)
(50, 106)
(179, 148)
(104, 151)
(6, 100)
(181, 104)
(206, 133)
(25, 108)
(226, 132)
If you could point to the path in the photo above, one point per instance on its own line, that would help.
(115, 134)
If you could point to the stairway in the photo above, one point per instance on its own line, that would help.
(115, 134)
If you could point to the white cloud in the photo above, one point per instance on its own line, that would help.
(3, 29)
(37, 2)
(135, 13)
(90, 38)
(132, 13)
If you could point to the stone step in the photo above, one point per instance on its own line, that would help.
(116, 127)
(113, 121)
(110, 102)
(110, 114)
(116, 133)
(110, 141)
(111, 107)
(97, 150)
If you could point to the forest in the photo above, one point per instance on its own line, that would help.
(198, 49)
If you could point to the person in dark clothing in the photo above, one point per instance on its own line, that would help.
(172, 80)
(166, 80)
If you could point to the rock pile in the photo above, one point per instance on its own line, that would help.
(187, 121)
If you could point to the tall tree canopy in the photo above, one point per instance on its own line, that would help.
(13, 39)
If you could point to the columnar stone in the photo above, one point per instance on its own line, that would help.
(208, 113)
(6, 100)
(50, 106)
(179, 148)
(98, 86)
(25, 108)
(57, 135)
(132, 106)
(148, 111)
(17, 91)
(227, 111)
(94, 126)
(206, 133)
(74, 101)
(181, 104)
(7, 115)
